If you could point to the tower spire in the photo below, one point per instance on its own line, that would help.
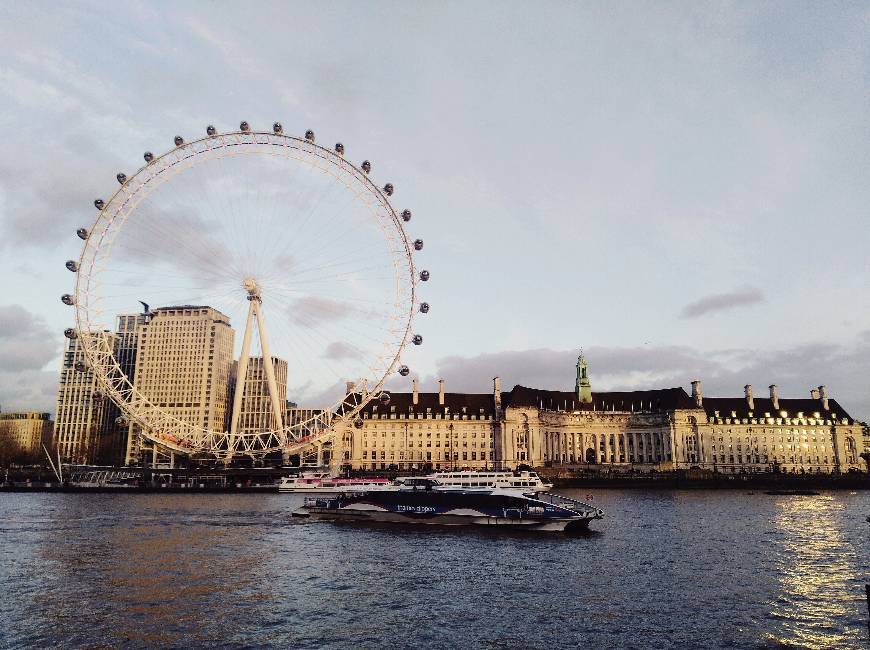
(583, 387)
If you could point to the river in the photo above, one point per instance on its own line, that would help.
(665, 568)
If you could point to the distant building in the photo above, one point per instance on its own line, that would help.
(82, 407)
(184, 357)
(256, 414)
(735, 434)
(26, 431)
(660, 429)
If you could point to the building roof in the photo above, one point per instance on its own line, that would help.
(664, 399)
(454, 403)
(761, 405)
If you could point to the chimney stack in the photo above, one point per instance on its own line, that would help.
(823, 395)
(814, 393)
(416, 397)
(696, 393)
(749, 401)
(774, 397)
(496, 395)
(349, 387)
(441, 392)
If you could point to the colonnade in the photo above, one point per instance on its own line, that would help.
(560, 447)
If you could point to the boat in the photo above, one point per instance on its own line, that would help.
(426, 501)
(527, 482)
(324, 482)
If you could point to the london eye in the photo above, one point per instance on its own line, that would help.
(273, 231)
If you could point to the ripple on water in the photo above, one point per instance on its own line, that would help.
(663, 569)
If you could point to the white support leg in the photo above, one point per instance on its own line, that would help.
(277, 406)
(241, 372)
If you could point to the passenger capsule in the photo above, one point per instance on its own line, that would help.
(72, 266)
(80, 366)
(339, 148)
(179, 141)
(122, 178)
(99, 204)
(67, 299)
(388, 189)
(384, 398)
(277, 128)
(424, 275)
(406, 215)
(244, 126)
(148, 156)
(121, 421)
(404, 371)
(97, 396)
(366, 166)
(210, 130)
(82, 233)
(309, 135)
(417, 340)
(418, 244)
(424, 307)
(358, 423)
(70, 333)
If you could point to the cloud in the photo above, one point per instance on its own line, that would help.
(722, 301)
(842, 367)
(339, 351)
(26, 346)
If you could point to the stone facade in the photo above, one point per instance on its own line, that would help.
(26, 431)
(660, 430)
(184, 357)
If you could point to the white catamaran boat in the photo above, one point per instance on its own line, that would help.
(527, 482)
(424, 501)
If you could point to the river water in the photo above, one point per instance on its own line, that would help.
(665, 568)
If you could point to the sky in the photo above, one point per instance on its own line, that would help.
(681, 189)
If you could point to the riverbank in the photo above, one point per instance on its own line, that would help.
(709, 481)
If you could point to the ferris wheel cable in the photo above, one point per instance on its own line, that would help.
(311, 324)
(180, 239)
(351, 257)
(154, 220)
(313, 205)
(292, 294)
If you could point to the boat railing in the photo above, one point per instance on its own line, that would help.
(569, 503)
(327, 502)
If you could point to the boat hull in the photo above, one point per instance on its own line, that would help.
(446, 519)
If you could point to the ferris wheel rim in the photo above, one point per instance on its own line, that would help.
(101, 362)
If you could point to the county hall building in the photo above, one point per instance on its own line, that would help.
(662, 429)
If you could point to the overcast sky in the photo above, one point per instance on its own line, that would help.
(681, 189)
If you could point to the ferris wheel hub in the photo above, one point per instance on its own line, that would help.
(250, 285)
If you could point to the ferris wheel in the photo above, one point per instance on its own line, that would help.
(268, 230)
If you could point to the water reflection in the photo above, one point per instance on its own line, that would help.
(153, 577)
(818, 578)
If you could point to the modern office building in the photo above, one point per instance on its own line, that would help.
(256, 414)
(82, 408)
(184, 357)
